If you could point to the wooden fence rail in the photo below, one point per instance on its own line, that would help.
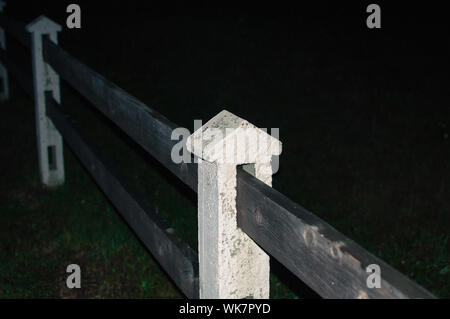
(176, 257)
(148, 128)
(326, 260)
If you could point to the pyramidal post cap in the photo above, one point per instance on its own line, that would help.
(43, 25)
(233, 139)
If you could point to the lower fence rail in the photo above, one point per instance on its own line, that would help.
(177, 258)
(325, 259)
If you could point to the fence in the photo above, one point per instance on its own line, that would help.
(242, 219)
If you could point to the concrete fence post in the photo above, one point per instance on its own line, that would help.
(4, 93)
(231, 264)
(50, 145)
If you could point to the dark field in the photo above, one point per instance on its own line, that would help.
(364, 118)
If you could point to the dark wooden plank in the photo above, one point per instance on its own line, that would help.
(175, 256)
(15, 29)
(326, 260)
(24, 80)
(145, 126)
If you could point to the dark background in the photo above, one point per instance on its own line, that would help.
(363, 117)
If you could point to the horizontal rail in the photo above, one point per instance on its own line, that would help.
(16, 30)
(145, 126)
(17, 73)
(175, 256)
(326, 260)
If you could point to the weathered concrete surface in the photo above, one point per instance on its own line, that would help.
(46, 79)
(231, 264)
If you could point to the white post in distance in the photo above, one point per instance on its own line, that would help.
(231, 264)
(50, 144)
(4, 94)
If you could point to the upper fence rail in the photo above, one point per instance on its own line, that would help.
(329, 262)
(145, 126)
(325, 259)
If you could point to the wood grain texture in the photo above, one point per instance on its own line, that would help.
(175, 256)
(326, 260)
(145, 126)
(15, 29)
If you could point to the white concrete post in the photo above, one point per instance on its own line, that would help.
(4, 94)
(50, 145)
(231, 264)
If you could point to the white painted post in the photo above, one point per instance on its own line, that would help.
(4, 94)
(231, 264)
(50, 145)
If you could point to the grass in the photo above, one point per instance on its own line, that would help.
(364, 150)
(44, 230)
